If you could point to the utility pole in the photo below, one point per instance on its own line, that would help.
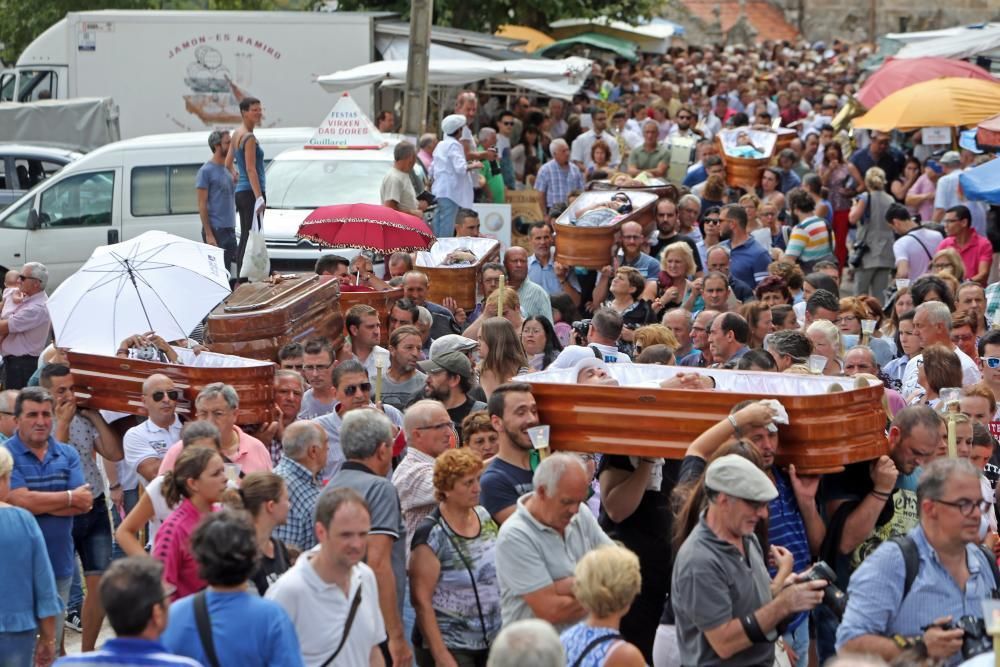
(417, 61)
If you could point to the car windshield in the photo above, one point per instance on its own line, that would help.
(310, 184)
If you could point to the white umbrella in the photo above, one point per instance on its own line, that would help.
(155, 282)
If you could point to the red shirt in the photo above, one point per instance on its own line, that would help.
(173, 548)
(977, 250)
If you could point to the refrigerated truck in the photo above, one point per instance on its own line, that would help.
(175, 71)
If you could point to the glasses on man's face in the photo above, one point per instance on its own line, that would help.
(948, 221)
(507, 123)
(436, 427)
(711, 221)
(351, 389)
(172, 394)
(23, 277)
(293, 367)
(965, 506)
(315, 368)
(991, 362)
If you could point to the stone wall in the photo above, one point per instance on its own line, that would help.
(851, 19)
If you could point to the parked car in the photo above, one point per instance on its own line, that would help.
(22, 167)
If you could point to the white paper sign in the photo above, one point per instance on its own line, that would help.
(935, 136)
(494, 222)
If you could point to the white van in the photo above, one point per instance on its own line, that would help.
(113, 194)
(299, 181)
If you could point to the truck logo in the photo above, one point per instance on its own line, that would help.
(215, 97)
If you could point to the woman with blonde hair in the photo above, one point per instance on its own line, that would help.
(501, 354)
(511, 311)
(605, 582)
(654, 334)
(758, 316)
(676, 265)
(948, 261)
(825, 337)
(872, 257)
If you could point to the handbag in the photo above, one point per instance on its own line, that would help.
(256, 265)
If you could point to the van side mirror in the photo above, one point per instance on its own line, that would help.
(33, 223)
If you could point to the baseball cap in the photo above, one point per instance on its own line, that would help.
(739, 477)
(452, 124)
(453, 362)
(452, 343)
(935, 167)
(951, 157)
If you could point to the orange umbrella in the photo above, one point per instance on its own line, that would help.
(947, 102)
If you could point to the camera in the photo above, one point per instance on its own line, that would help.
(975, 640)
(833, 598)
(580, 329)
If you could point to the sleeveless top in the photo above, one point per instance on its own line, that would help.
(576, 638)
(243, 183)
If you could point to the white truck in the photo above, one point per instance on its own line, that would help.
(175, 71)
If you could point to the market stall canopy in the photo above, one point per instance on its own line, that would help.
(534, 39)
(967, 42)
(988, 132)
(948, 102)
(982, 183)
(896, 74)
(592, 40)
(567, 74)
(652, 37)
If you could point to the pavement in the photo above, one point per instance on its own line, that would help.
(72, 638)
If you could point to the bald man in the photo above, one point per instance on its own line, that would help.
(146, 444)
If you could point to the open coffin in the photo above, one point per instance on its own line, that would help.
(741, 170)
(113, 383)
(826, 431)
(456, 281)
(591, 247)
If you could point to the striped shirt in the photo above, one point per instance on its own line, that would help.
(876, 604)
(787, 529)
(810, 240)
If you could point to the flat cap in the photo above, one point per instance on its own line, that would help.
(736, 476)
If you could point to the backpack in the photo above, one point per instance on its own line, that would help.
(911, 561)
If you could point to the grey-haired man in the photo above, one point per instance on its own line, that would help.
(216, 199)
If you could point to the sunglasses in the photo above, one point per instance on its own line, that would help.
(992, 362)
(507, 123)
(173, 395)
(352, 389)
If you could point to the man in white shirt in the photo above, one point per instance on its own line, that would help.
(932, 323)
(320, 591)
(452, 185)
(146, 444)
(365, 329)
(580, 151)
(947, 194)
(915, 246)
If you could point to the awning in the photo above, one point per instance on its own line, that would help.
(963, 43)
(534, 39)
(564, 77)
(593, 40)
(652, 37)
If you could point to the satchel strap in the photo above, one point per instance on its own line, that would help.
(347, 627)
(204, 624)
(594, 643)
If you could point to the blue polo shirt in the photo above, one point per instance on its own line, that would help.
(60, 470)
(128, 652)
(545, 276)
(644, 264)
(748, 262)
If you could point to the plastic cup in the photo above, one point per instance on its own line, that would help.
(817, 362)
(539, 436)
(902, 282)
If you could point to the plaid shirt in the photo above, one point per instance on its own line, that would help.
(557, 182)
(303, 492)
(414, 481)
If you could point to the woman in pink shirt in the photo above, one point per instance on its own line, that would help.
(197, 481)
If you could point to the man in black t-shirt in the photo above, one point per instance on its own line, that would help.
(667, 224)
(449, 380)
(509, 476)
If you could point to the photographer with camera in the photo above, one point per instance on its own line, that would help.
(924, 591)
(723, 605)
(602, 333)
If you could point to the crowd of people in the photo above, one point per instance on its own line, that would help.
(401, 516)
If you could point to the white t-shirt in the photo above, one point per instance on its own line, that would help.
(149, 441)
(319, 611)
(611, 354)
(970, 372)
(580, 151)
(908, 248)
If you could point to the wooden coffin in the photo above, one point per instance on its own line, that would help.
(785, 137)
(826, 431)
(743, 172)
(457, 282)
(113, 383)
(380, 300)
(647, 217)
(593, 247)
(258, 319)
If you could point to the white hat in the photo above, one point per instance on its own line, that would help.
(452, 343)
(452, 124)
(571, 355)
